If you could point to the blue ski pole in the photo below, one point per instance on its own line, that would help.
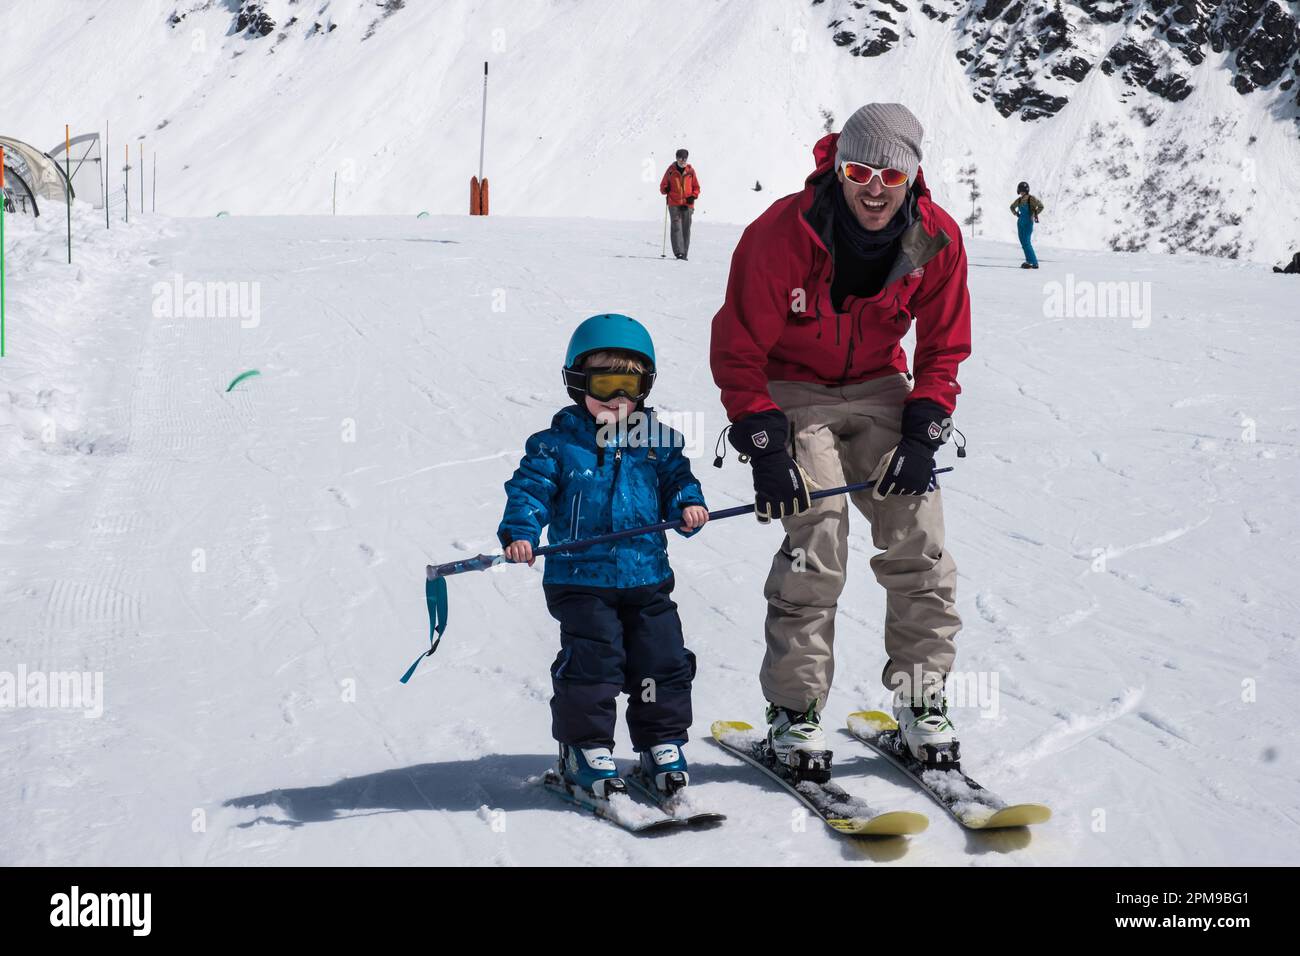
(435, 585)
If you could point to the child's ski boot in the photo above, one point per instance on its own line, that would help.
(664, 768)
(591, 769)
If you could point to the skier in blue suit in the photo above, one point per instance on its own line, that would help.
(607, 464)
(1026, 208)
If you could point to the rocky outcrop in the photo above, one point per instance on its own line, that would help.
(1026, 57)
(251, 19)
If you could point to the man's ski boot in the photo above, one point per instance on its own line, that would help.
(664, 768)
(797, 743)
(927, 733)
(591, 769)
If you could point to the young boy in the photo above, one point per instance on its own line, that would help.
(602, 467)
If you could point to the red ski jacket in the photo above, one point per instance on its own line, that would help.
(778, 321)
(680, 185)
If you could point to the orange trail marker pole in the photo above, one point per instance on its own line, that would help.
(478, 200)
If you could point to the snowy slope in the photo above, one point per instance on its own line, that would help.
(248, 581)
(589, 100)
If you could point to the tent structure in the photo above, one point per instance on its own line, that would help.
(86, 165)
(34, 176)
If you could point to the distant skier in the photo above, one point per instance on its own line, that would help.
(597, 469)
(807, 351)
(682, 187)
(1026, 209)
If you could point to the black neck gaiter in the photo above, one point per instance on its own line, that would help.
(863, 257)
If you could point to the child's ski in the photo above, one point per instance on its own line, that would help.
(970, 804)
(841, 811)
(680, 806)
(619, 809)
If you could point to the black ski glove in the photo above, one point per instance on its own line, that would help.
(780, 485)
(908, 469)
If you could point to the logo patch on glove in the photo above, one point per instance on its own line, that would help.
(760, 439)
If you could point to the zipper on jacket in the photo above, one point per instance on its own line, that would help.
(613, 484)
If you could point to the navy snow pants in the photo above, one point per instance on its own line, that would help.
(616, 640)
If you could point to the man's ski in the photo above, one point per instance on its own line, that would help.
(841, 811)
(619, 809)
(680, 806)
(970, 804)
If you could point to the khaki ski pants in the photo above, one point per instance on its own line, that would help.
(838, 435)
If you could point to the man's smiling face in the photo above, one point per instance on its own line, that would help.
(874, 204)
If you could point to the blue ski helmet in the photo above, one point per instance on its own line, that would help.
(609, 331)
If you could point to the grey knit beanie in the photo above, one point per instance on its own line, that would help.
(882, 134)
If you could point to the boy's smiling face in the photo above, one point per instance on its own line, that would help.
(608, 413)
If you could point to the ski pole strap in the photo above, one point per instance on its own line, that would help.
(435, 595)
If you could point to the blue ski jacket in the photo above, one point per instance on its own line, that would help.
(578, 482)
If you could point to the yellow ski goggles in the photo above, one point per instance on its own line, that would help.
(602, 384)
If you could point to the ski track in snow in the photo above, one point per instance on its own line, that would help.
(248, 581)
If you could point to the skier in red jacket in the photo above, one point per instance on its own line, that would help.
(682, 187)
(807, 352)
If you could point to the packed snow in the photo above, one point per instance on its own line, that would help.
(244, 569)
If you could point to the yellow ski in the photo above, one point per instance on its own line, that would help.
(970, 804)
(841, 811)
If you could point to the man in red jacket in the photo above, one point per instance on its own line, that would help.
(807, 351)
(682, 187)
